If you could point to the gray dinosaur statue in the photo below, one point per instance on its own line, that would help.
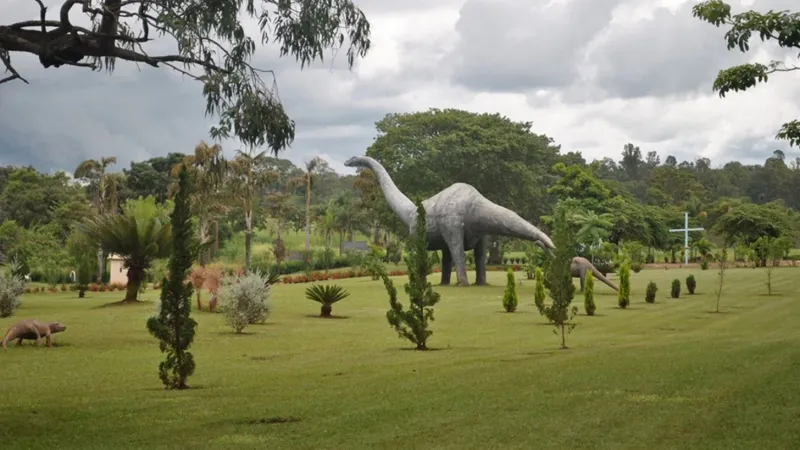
(579, 267)
(458, 218)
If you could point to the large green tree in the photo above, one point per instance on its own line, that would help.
(213, 46)
(140, 235)
(782, 27)
(427, 151)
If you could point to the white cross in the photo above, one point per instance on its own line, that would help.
(685, 231)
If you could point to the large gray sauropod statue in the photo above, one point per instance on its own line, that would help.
(458, 218)
(34, 330)
(579, 267)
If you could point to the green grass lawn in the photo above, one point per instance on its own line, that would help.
(670, 375)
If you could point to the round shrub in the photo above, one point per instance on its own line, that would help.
(675, 292)
(691, 284)
(650, 294)
(243, 299)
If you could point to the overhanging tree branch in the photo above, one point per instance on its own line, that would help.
(213, 48)
(782, 27)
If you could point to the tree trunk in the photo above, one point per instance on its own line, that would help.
(248, 239)
(326, 310)
(135, 277)
(216, 237)
(248, 242)
(376, 234)
(495, 254)
(100, 261)
(308, 216)
(341, 242)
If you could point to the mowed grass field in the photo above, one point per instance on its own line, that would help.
(669, 375)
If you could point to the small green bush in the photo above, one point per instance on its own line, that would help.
(510, 299)
(675, 292)
(588, 294)
(636, 266)
(624, 295)
(691, 284)
(538, 293)
(704, 264)
(650, 294)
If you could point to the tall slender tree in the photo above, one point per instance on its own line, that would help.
(312, 168)
(173, 326)
(206, 167)
(93, 171)
(248, 174)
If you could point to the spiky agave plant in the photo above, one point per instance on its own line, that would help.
(326, 296)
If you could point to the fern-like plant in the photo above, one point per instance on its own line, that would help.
(326, 295)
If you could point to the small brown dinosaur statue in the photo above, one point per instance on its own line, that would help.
(34, 330)
(581, 265)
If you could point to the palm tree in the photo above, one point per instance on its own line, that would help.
(207, 168)
(313, 167)
(248, 175)
(593, 227)
(326, 296)
(328, 224)
(94, 172)
(139, 236)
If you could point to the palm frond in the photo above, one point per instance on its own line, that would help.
(326, 294)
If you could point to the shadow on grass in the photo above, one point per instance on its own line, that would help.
(270, 421)
(125, 303)
(429, 349)
(720, 312)
(333, 317)
(234, 334)
(192, 387)
(519, 311)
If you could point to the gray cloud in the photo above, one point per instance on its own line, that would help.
(671, 54)
(507, 46)
(70, 114)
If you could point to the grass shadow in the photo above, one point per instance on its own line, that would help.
(332, 317)
(193, 387)
(124, 303)
(233, 333)
(270, 421)
(720, 312)
(519, 311)
(429, 349)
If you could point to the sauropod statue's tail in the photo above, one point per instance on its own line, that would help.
(602, 278)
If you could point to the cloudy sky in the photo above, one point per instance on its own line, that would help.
(592, 74)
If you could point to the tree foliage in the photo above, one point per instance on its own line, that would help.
(624, 294)
(559, 276)
(412, 323)
(174, 328)
(213, 47)
(783, 27)
(588, 295)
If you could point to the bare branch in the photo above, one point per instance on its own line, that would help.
(5, 57)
